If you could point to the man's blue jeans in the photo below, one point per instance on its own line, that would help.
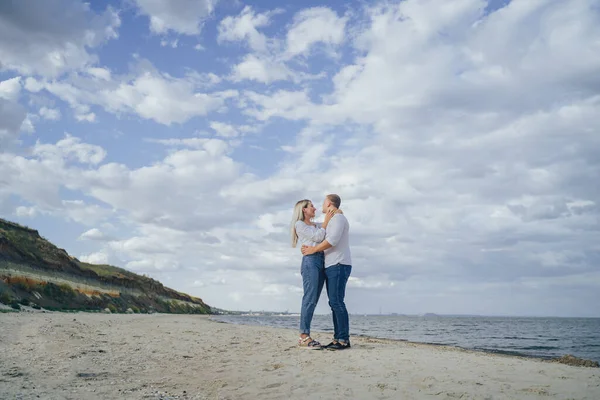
(336, 278)
(313, 278)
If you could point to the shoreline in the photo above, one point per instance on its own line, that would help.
(175, 356)
(565, 358)
(570, 359)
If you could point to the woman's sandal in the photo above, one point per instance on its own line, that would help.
(309, 344)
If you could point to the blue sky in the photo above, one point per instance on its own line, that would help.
(173, 138)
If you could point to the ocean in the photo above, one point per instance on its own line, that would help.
(524, 336)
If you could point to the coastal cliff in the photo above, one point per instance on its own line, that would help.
(34, 272)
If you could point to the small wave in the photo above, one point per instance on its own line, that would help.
(512, 353)
(539, 348)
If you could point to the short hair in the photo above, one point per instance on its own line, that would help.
(335, 200)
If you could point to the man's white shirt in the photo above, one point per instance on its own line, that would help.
(338, 235)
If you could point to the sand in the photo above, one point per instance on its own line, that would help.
(97, 356)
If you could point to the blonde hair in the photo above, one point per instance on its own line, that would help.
(298, 215)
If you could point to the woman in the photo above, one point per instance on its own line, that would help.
(313, 266)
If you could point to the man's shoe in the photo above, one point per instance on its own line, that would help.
(329, 345)
(338, 346)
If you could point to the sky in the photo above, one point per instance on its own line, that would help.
(173, 138)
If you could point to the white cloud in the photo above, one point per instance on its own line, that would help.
(52, 114)
(82, 212)
(451, 180)
(98, 257)
(314, 25)
(203, 79)
(10, 89)
(267, 62)
(244, 27)
(71, 148)
(163, 99)
(52, 36)
(181, 16)
(149, 94)
(89, 117)
(180, 191)
(464, 145)
(29, 212)
(262, 69)
(100, 73)
(27, 124)
(223, 129)
(292, 105)
(93, 234)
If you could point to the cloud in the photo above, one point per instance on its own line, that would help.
(183, 17)
(28, 212)
(292, 105)
(179, 192)
(462, 139)
(94, 234)
(223, 129)
(244, 28)
(100, 73)
(229, 131)
(267, 61)
(148, 94)
(314, 25)
(71, 148)
(52, 37)
(165, 100)
(98, 257)
(52, 114)
(484, 158)
(215, 145)
(10, 89)
(173, 44)
(12, 116)
(82, 212)
(213, 282)
(87, 117)
(262, 69)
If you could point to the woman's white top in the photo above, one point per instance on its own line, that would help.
(309, 235)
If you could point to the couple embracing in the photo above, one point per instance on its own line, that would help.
(326, 261)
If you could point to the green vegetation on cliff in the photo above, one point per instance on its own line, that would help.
(35, 272)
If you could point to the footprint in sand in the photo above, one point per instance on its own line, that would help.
(273, 385)
(538, 391)
(273, 367)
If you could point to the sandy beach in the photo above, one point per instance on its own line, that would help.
(98, 356)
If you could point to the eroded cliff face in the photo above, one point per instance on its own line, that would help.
(26, 254)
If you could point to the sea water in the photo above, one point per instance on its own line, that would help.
(534, 337)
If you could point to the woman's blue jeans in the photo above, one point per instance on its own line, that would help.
(313, 279)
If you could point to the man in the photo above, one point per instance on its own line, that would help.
(338, 265)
